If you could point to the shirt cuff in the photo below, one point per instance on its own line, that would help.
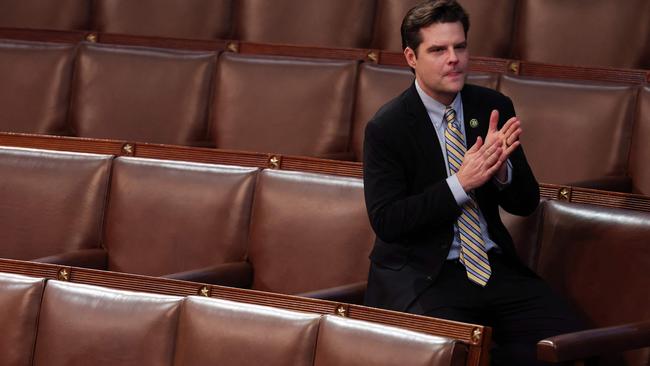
(503, 184)
(457, 190)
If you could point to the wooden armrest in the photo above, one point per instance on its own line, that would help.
(88, 258)
(352, 293)
(236, 274)
(594, 342)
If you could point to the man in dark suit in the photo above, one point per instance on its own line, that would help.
(439, 160)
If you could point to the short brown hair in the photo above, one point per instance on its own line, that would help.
(429, 12)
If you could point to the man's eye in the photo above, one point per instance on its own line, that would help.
(461, 46)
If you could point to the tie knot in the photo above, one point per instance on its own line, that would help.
(450, 116)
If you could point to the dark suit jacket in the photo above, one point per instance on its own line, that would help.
(411, 207)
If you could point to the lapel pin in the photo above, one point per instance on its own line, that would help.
(473, 122)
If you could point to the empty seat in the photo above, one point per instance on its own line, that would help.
(605, 33)
(308, 232)
(52, 202)
(219, 332)
(484, 38)
(165, 18)
(574, 132)
(283, 105)
(35, 88)
(45, 14)
(640, 152)
(167, 217)
(598, 258)
(88, 325)
(332, 23)
(350, 342)
(142, 94)
(20, 300)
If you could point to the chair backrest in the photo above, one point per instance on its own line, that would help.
(88, 325)
(35, 87)
(20, 299)
(639, 169)
(166, 217)
(610, 33)
(358, 343)
(283, 105)
(45, 14)
(573, 131)
(142, 94)
(165, 18)
(220, 332)
(598, 258)
(52, 202)
(308, 232)
(332, 23)
(484, 38)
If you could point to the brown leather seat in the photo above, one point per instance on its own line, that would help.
(165, 18)
(88, 325)
(604, 33)
(640, 152)
(167, 217)
(332, 23)
(142, 94)
(52, 202)
(484, 38)
(357, 343)
(220, 332)
(20, 300)
(575, 133)
(45, 14)
(308, 232)
(35, 87)
(283, 105)
(598, 257)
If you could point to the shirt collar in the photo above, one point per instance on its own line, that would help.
(435, 109)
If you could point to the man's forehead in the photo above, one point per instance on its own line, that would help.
(443, 33)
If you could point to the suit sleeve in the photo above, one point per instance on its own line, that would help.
(521, 197)
(395, 212)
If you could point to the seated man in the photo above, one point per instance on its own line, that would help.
(439, 160)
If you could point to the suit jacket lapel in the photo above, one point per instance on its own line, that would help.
(473, 109)
(424, 133)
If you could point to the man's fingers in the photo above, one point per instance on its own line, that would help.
(510, 126)
(477, 145)
(494, 121)
(514, 136)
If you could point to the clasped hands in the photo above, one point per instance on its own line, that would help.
(485, 159)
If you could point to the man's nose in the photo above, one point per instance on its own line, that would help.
(453, 57)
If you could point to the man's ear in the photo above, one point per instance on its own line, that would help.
(411, 58)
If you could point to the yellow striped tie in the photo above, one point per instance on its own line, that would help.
(472, 246)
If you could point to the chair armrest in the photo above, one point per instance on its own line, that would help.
(352, 293)
(594, 342)
(613, 183)
(235, 274)
(96, 258)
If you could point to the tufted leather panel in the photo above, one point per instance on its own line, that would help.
(166, 217)
(640, 152)
(45, 14)
(142, 94)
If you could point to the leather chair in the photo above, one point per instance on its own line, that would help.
(35, 88)
(575, 133)
(640, 151)
(20, 300)
(220, 332)
(45, 14)
(598, 258)
(484, 38)
(358, 343)
(52, 205)
(177, 219)
(142, 94)
(283, 105)
(88, 325)
(332, 23)
(605, 33)
(206, 19)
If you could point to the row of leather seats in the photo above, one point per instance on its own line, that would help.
(278, 231)
(53, 323)
(233, 101)
(525, 29)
